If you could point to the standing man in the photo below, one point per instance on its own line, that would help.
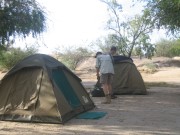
(105, 70)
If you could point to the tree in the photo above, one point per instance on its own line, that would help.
(138, 51)
(166, 14)
(146, 46)
(127, 34)
(168, 48)
(162, 47)
(9, 58)
(105, 43)
(20, 18)
(73, 56)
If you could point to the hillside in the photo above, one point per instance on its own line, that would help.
(158, 69)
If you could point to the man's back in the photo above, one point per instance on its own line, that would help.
(105, 64)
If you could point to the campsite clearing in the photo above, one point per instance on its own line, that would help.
(156, 113)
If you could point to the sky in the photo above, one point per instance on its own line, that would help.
(75, 23)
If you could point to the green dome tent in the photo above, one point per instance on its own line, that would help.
(127, 79)
(42, 89)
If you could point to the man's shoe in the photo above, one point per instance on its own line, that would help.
(107, 100)
(113, 96)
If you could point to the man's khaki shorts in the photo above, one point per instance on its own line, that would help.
(106, 78)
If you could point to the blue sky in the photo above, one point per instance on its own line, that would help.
(75, 23)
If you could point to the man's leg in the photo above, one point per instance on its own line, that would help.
(105, 89)
(103, 80)
(107, 94)
(109, 89)
(110, 81)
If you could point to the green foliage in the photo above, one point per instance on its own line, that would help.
(162, 48)
(145, 46)
(128, 34)
(20, 18)
(175, 50)
(71, 57)
(9, 58)
(168, 48)
(138, 51)
(166, 14)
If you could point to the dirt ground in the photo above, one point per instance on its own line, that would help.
(156, 113)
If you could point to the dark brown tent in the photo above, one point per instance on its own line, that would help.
(127, 79)
(42, 89)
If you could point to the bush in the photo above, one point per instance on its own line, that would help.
(9, 58)
(162, 48)
(148, 68)
(168, 48)
(175, 50)
(72, 57)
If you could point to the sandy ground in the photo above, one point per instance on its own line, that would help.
(156, 113)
